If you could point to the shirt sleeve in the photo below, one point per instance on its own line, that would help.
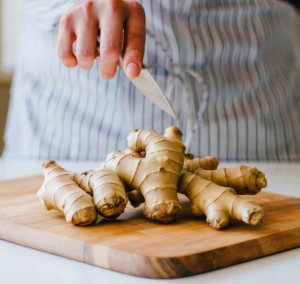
(46, 14)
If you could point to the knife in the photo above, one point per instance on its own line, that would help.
(147, 85)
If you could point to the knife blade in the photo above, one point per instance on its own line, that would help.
(147, 85)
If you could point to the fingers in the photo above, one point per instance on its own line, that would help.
(66, 38)
(82, 22)
(111, 39)
(134, 39)
(86, 29)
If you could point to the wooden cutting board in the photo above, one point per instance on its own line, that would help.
(137, 246)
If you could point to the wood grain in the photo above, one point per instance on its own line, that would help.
(137, 246)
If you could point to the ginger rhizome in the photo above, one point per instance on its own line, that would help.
(214, 193)
(243, 179)
(156, 175)
(60, 192)
(107, 189)
(152, 170)
(217, 203)
(71, 193)
(192, 164)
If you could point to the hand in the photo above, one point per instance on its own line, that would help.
(117, 20)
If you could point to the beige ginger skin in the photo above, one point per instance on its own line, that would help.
(107, 189)
(151, 165)
(244, 180)
(60, 192)
(71, 193)
(156, 175)
(192, 164)
(152, 170)
(214, 193)
(218, 203)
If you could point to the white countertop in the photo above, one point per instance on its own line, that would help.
(20, 264)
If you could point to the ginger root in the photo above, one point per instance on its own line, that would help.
(60, 192)
(154, 175)
(211, 195)
(107, 189)
(218, 203)
(244, 180)
(152, 170)
(192, 164)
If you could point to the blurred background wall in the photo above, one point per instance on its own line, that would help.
(11, 27)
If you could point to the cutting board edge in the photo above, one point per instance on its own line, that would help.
(29, 237)
(182, 266)
(147, 266)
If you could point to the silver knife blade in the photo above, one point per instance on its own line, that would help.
(147, 85)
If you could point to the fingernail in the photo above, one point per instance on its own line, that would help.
(132, 70)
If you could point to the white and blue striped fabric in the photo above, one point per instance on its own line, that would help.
(230, 69)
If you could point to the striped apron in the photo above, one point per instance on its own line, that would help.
(230, 69)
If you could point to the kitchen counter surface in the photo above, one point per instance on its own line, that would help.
(20, 264)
